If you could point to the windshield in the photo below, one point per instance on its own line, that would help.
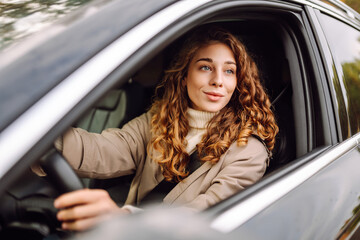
(20, 18)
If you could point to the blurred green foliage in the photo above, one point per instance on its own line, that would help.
(351, 72)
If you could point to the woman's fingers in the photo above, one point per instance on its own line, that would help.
(79, 197)
(87, 210)
(80, 225)
(82, 209)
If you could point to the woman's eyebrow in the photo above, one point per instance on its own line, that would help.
(205, 59)
(210, 61)
(230, 62)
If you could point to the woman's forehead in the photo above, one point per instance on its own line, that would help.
(216, 51)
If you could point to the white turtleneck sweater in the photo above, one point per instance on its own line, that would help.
(197, 121)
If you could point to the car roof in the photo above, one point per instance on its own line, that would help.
(37, 64)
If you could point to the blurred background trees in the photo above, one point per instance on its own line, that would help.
(355, 4)
(20, 18)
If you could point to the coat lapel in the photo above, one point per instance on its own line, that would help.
(150, 178)
(183, 185)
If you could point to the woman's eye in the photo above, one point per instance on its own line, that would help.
(206, 68)
(230, 71)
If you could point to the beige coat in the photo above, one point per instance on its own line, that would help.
(118, 152)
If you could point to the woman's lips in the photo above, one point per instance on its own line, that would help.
(213, 96)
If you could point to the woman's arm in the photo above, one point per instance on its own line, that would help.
(114, 152)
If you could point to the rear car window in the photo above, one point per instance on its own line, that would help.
(344, 42)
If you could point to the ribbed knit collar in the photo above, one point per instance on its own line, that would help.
(199, 119)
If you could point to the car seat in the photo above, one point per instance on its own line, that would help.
(266, 48)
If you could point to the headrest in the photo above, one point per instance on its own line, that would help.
(111, 100)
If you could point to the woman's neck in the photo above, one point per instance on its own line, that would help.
(199, 119)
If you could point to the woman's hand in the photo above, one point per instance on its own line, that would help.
(82, 209)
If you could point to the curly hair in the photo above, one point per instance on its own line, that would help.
(248, 111)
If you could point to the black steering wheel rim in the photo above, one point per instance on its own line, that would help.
(60, 173)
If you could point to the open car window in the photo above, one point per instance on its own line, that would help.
(273, 44)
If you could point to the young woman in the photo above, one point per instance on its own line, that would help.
(208, 135)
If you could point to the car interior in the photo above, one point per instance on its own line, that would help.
(265, 43)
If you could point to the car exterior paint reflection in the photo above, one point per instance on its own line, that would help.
(348, 231)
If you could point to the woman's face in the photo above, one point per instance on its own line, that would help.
(211, 78)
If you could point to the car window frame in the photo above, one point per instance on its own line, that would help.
(154, 47)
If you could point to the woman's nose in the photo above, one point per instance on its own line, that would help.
(217, 80)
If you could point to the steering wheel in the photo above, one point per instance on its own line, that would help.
(27, 210)
(60, 173)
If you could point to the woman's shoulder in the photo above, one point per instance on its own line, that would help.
(140, 124)
(254, 142)
(254, 148)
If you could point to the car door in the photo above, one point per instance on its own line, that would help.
(319, 197)
(345, 59)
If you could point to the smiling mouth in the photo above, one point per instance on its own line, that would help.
(213, 96)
